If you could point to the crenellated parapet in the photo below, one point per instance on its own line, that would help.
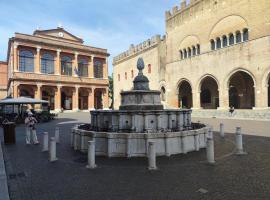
(181, 13)
(136, 49)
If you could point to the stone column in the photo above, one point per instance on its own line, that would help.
(105, 99)
(196, 96)
(15, 91)
(58, 62)
(38, 91)
(91, 67)
(57, 98)
(75, 64)
(224, 99)
(75, 98)
(15, 54)
(91, 98)
(38, 95)
(105, 69)
(37, 61)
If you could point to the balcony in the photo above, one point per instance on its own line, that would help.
(52, 78)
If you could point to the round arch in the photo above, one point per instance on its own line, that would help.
(241, 90)
(266, 85)
(209, 92)
(199, 83)
(184, 89)
(227, 23)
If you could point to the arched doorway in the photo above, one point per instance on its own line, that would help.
(184, 95)
(66, 98)
(269, 91)
(209, 93)
(83, 99)
(98, 104)
(241, 91)
(163, 93)
(48, 94)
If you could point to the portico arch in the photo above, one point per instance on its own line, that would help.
(184, 94)
(209, 96)
(66, 98)
(241, 90)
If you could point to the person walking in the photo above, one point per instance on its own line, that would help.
(30, 123)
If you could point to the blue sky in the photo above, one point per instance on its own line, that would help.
(111, 24)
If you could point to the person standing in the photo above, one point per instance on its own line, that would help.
(30, 123)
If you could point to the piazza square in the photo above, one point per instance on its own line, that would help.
(92, 109)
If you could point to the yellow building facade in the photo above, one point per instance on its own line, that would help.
(56, 66)
(215, 54)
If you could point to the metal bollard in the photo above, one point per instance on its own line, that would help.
(152, 156)
(210, 154)
(91, 155)
(45, 142)
(57, 134)
(222, 130)
(239, 141)
(52, 152)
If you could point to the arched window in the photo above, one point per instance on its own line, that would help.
(193, 51)
(26, 61)
(224, 41)
(238, 37)
(98, 69)
(198, 49)
(66, 66)
(118, 77)
(126, 75)
(181, 54)
(132, 74)
(218, 43)
(231, 39)
(149, 69)
(213, 45)
(83, 68)
(189, 52)
(245, 35)
(163, 93)
(185, 53)
(47, 64)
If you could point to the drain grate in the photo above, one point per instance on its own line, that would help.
(18, 175)
(81, 160)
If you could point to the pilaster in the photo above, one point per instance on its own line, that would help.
(15, 53)
(75, 64)
(91, 67)
(57, 98)
(58, 62)
(37, 61)
(91, 98)
(75, 99)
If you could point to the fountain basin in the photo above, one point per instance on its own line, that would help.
(135, 144)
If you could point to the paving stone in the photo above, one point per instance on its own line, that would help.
(179, 177)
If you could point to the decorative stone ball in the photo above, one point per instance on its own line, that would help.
(140, 64)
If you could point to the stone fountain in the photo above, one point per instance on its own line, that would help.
(141, 118)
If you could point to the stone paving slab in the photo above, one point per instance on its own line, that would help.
(4, 195)
(31, 176)
(249, 127)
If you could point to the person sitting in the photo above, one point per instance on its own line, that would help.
(231, 110)
(30, 123)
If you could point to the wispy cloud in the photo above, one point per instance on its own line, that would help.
(111, 24)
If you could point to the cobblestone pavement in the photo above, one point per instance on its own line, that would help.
(31, 176)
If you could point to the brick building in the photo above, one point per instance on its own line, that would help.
(56, 66)
(3, 80)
